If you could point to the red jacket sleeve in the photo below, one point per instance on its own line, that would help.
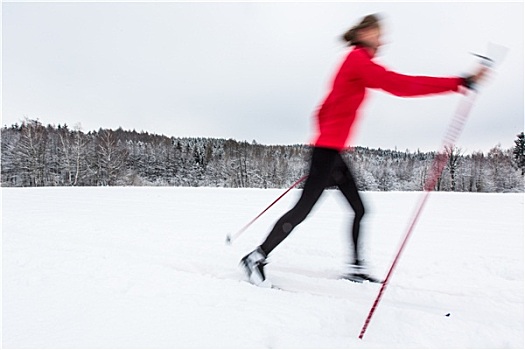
(378, 77)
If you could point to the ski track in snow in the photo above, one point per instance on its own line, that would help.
(148, 268)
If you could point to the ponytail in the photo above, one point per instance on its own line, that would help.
(350, 36)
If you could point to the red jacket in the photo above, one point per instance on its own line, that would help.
(358, 72)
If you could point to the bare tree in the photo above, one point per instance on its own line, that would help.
(78, 149)
(111, 158)
(31, 152)
(454, 155)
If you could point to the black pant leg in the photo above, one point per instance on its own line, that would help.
(344, 179)
(321, 166)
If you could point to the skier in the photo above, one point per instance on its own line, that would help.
(335, 119)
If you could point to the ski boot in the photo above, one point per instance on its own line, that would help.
(253, 265)
(359, 274)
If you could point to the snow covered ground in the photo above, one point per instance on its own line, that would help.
(149, 268)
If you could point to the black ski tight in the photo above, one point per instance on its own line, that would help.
(327, 169)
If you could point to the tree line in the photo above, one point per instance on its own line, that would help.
(37, 155)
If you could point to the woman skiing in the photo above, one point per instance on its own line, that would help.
(335, 119)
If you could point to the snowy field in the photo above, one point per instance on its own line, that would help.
(149, 268)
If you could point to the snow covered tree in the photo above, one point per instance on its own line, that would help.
(34, 155)
(519, 152)
(454, 157)
(501, 172)
(110, 157)
(30, 152)
(10, 168)
(71, 148)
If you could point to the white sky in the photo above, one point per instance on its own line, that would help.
(248, 70)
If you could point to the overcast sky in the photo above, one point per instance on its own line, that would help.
(253, 71)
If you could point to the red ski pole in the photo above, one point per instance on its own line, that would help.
(230, 239)
(497, 53)
(435, 171)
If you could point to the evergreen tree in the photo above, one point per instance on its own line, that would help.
(519, 152)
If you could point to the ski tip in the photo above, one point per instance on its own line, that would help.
(228, 240)
(361, 279)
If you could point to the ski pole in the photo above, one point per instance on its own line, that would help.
(230, 239)
(434, 173)
(452, 134)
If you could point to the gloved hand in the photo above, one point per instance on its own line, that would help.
(472, 80)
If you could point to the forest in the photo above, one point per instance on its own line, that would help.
(33, 154)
